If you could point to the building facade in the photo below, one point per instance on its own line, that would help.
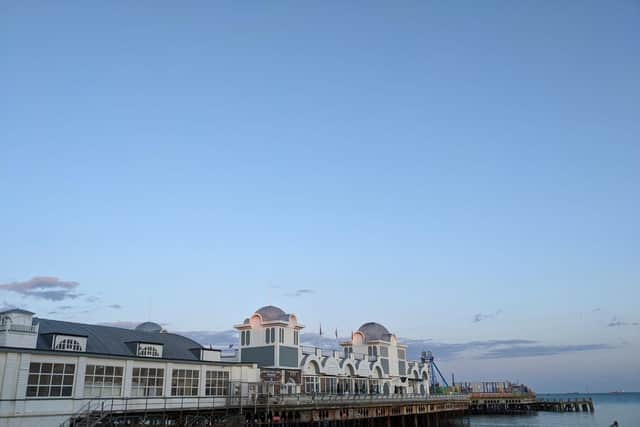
(372, 362)
(51, 369)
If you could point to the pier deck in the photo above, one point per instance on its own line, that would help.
(515, 403)
(379, 411)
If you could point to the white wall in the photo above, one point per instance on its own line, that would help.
(18, 411)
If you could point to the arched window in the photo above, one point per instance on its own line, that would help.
(273, 334)
(69, 344)
(267, 335)
(148, 351)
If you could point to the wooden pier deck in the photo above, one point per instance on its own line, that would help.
(326, 411)
(564, 405)
(518, 403)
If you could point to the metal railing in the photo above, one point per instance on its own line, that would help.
(96, 409)
(18, 328)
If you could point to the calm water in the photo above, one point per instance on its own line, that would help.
(625, 408)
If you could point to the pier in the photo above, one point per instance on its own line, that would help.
(516, 403)
(564, 405)
(329, 411)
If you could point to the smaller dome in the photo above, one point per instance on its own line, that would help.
(149, 327)
(375, 332)
(271, 312)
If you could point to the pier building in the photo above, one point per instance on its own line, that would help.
(54, 372)
(372, 362)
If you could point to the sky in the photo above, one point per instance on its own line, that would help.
(465, 173)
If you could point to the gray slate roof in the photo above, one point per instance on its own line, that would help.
(110, 340)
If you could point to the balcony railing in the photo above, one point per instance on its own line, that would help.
(18, 328)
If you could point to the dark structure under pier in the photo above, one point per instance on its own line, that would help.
(393, 411)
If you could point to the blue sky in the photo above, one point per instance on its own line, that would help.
(424, 165)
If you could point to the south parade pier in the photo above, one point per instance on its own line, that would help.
(58, 373)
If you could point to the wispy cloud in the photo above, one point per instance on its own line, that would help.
(615, 323)
(115, 306)
(301, 292)
(510, 352)
(487, 349)
(43, 287)
(6, 306)
(479, 317)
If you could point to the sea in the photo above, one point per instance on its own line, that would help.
(609, 407)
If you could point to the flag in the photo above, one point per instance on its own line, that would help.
(320, 329)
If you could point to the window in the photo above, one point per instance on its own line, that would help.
(69, 344)
(184, 382)
(217, 383)
(147, 382)
(328, 385)
(384, 352)
(296, 337)
(246, 337)
(401, 354)
(270, 335)
(50, 380)
(146, 350)
(242, 338)
(103, 381)
(311, 384)
(281, 333)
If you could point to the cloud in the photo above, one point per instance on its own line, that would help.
(65, 307)
(115, 306)
(92, 299)
(615, 323)
(216, 339)
(541, 350)
(479, 317)
(48, 288)
(6, 306)
(301, 292)
(485, 349)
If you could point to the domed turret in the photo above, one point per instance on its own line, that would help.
(375, 332)
(151, 327)
(270, 313)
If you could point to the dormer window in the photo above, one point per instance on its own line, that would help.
(69, 344)
(149, 350)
